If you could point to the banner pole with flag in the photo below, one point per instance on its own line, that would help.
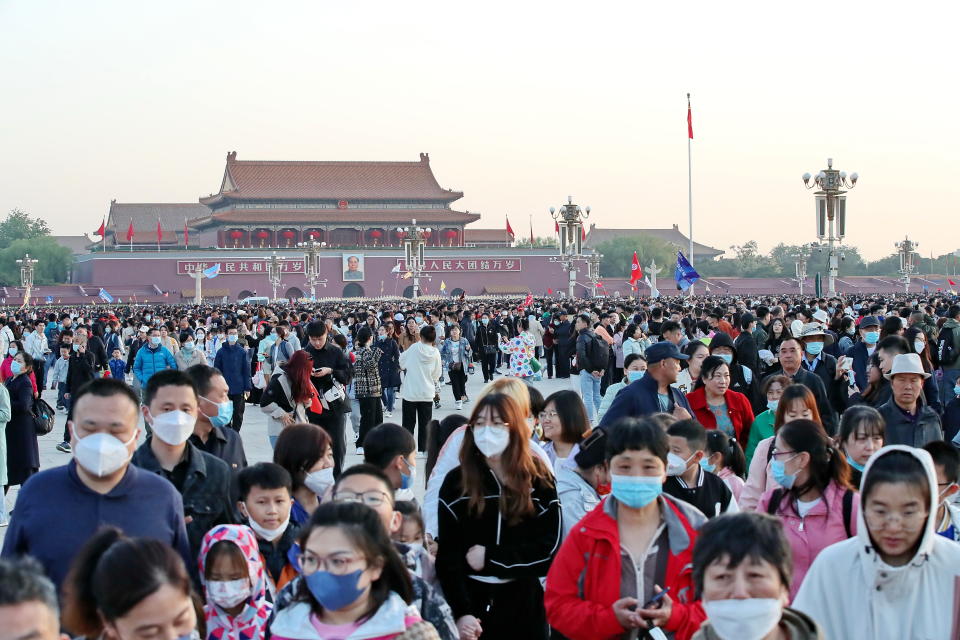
(690, 180)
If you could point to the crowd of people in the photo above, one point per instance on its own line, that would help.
(774, 468)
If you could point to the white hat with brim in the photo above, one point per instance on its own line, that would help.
(145, 329)
(813, 329)
(907, 363)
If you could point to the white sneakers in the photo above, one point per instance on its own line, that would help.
(459, 404)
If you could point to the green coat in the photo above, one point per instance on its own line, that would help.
(761, 429)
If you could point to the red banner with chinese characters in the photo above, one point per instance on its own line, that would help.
(238, 267)
(463, 264)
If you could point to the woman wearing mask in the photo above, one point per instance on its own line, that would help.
(288, 395)
(500, 524)
(235, 583)
(119, 586)
(565, 424)
(354, 583)
(715, 405)
(762, 427)
(389, 365)
(796, 403)
(457, 356)
(488, 340)
(304, 451)
(847, 332)
(366, 380)
(634, 366)
(862, 433)
(634, 341)
(281, 350)
(897, 572)
(188, 355)
(23, 451)
(724, 457)
(813, 499)
(14, 347)
(917, 340)
(687, 379)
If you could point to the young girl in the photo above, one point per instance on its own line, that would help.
(724, 457)
(411, 536)
(897, 572)
(354, 583)
(235, 584)
(861, 435)
(762, 426)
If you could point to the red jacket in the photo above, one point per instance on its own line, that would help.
(584, 579)
(738, 408)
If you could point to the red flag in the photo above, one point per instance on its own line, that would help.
(186, 234)
(531, 232)
(159, 231)
(636, 273)
(583, 234)
(556, 227)
(951, 282)
(549, 292)
(102, 230)
(130, 231)
(689, 119)
(509, 230)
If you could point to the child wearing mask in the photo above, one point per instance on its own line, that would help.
(58, 379)
(235, 584)
(688, 478)
(946, 462)
(411, 535)
(118, 365)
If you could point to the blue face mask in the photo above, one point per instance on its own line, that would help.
(334, 592)
(956, 390)
(406, 481)
(15, 368)
(155, 341)
(232, 338)
(485, 321)
(853, 463)
(706, 466)
(772, 405)
(726, 357)
(633, 376)
(871, 337)
(224, 413)
(635, 491)
(778, 469)
(12, 351)
(813, 348)
(76, 347)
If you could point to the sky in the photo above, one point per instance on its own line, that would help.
(519, 105)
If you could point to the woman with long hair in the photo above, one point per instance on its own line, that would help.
(119, 585)
(354, 582)
(288, 395)
(306, 452)
(281, 350)
(796, 403)
(779, 331)
(389, 345)
(565, 424)
(687, 379)
(877, 391)
(410, 335)
(862, 433)
(634, 341)
(813, 497)
(22, 448)
(499, 526)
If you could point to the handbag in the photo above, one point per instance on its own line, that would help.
(535, 365)
(334, 393)
(259, 380)
(43, 416)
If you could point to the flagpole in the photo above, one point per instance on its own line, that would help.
(690, 180)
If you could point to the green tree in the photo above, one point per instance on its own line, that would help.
(20, 226)
(19, 235)
(538, 242)
(618, 255)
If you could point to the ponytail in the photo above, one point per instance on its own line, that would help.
(731, 453)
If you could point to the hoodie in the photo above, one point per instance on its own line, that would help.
(395, 619)
(421, 362)
(253, 620)
(853, 594)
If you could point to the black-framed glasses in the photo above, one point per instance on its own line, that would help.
(372, 497)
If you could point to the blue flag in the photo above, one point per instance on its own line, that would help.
(213, 271)
(49, 299)
(684, 274)
(106, 297)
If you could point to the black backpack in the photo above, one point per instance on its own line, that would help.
(598, 353)
(847, 507)
(946, 348)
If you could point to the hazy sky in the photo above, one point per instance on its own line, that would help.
(518, 103)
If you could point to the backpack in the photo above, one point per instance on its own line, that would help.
(847, 507)
(598, 353)
(43, 416)
(947, 353)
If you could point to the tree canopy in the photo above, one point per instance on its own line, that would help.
(19, 235)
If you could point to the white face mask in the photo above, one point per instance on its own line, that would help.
(319, 481)
(262, 532)
(229, 593)
(749, 619)
(676, 465)
(101, 454)
(173, 427)
(492, 440)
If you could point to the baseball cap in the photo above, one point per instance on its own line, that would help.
(662, 351)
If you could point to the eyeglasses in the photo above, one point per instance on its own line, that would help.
(548, 414)
(776, 453)
(372, 498)
(338, 563)
(878, 518)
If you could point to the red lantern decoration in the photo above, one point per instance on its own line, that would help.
(427, 234)
(289, 234)
(376, 234)
(451, 234)
(401, 234)
(313, 235)
(263, 234)
(236, 235)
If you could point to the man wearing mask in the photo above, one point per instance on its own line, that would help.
(211, 432)
(233, 362)
(202, 480)
(151, 358)
(331, 373)
(652, 393)
(60, 508)
(860, 353)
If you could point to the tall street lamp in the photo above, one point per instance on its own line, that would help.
(800, 262)
(569, 219)
(414, 243)
(311, 257)
(908, 266)
(274, 273)
(831, 210)
(26, 275)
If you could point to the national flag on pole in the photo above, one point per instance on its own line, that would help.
(531, 231)
(186, 234)
(159, 232)
(130, 231)
(583, 234)
(106, 297)
(636, 273)
(556, 227)
(102, 230)
(212, 272)
(443, 286)
(49, 299)
(684, 274)
(689, 119)
(549, 291)
(510, 233)
(952, 283)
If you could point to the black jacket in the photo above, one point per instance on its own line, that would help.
(80, 370)
(710, 495)
(913, 431)
(564, 337)
(223, 443)
(330, 356)
(827, 370)
(747, 353)
(815, 384)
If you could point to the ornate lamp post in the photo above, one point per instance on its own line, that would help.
(311, 256)
(26, 274)
(907, 249)
(414, 241)
(593, 271)
(569, 219)
(800, 262)
(275, 273)
(831, 212)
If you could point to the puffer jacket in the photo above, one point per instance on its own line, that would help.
(150, 360)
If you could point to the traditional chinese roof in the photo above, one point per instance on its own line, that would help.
(485, 235)
(76, 244)
(322, 180)
(268, 217)
(673, 236)
(145, 216)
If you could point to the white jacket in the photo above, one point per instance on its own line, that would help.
(389, 620)
(423, 369)
(853, 594)
(447, 460)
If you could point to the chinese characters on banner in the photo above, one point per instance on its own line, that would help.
(234, 267)
(463, 264)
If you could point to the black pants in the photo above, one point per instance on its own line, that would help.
(331, 420)
(551, 354)
(239, 403)
(496, 606)
(563, 363)
(418, 413)
(371, 415)
(458, 378)
(488, 364)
